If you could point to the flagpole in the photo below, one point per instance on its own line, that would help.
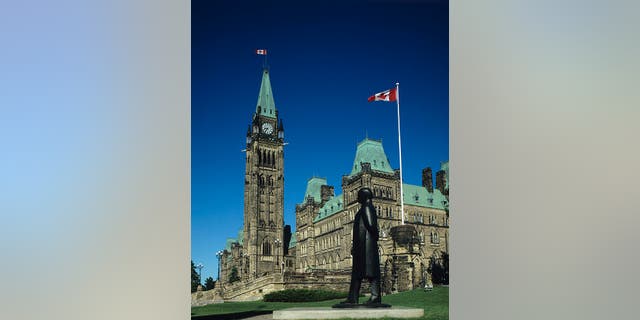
(400, 152)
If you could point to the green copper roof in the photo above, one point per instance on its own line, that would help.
(371, 151)
(265, 97)
(293, 241)
(332, 206)
(419, 196)
(313, 189)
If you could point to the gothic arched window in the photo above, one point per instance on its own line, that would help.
(266, 248)
(434, 237)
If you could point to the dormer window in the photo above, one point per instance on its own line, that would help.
(416, 197)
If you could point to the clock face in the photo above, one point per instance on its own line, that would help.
(267, 128)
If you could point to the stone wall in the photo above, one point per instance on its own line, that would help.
(201, 298)
(322, 279)
(251, 290)
(256, 289)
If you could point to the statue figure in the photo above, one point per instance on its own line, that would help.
(366, 260)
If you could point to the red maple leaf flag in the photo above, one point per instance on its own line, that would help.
(389, 95)
(262, 52)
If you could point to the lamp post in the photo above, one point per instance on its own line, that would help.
(219, 256)
(199, 267)
(277, 242)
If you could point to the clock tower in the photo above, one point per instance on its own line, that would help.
(264, 188)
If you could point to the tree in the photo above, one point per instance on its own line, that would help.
(233, 276)
(209, 284)
(439, 269)
(195, 278)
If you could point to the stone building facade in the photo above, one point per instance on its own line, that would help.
(265, 256)
(324, 220)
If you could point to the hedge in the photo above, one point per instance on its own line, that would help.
(303, 295)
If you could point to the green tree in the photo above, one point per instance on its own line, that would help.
(233, 276)
(209, 283)
(439, 269)
(195, 278)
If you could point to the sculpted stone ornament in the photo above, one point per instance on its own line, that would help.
(366, 260)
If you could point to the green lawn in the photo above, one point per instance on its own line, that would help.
(435, 304)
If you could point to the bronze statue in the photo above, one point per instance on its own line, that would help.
(366, 260)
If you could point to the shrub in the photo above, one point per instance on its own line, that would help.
(303, 295)
(233, 277)
(209, 284)
(439, 269)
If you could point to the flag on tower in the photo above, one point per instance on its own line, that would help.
(262, 52)
(389, 95)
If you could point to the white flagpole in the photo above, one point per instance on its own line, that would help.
(400, 152)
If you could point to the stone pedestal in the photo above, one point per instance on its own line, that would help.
(360, 313)
(404, 235)
(403, 269)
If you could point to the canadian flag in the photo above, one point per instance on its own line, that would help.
(261, 52)
(389, 95)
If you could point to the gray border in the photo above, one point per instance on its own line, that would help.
(544, 160)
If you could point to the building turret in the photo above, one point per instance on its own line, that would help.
(280, 130)
(427, 179)
(326, 193)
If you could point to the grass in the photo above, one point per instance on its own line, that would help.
(435, 304)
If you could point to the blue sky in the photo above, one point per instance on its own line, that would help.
(325, 60)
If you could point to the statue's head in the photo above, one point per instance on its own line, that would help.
(364, 194)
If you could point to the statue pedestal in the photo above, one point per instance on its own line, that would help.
(347, 313)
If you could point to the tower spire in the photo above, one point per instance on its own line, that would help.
(266, 106)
